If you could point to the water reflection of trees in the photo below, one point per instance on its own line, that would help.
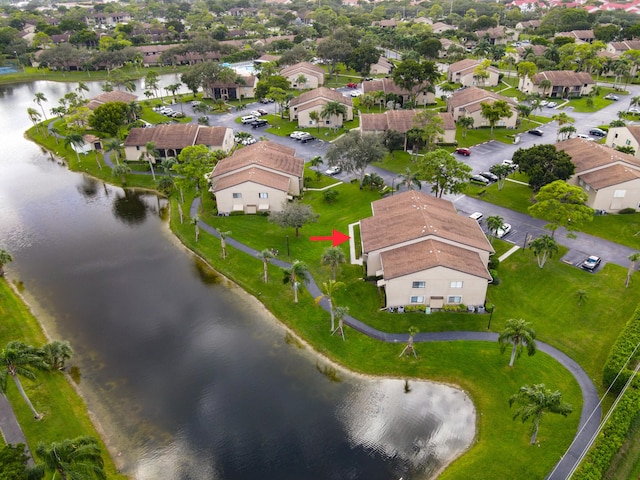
(205, 273)
(88, 187)
(129, 207)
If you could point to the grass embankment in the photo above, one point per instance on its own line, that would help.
(65, 413)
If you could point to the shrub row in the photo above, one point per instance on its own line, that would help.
(613, 435)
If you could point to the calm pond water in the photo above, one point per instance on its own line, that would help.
(189, 377)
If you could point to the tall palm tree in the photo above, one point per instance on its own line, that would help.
(562, 118)
(315, 117)
(635, 101)
(409, 348)
(18, 359)
(543, 248)
(367, 101)
(328, 290)
(301, 80)
(223, 241)
(535, 401)
(34, 116)
(410, 179)
(494, 224)
(195, 222)
(265, 255)
(634, 257)
(334, 257)
(518, 333)
(39, 98)
(465, 123)
(120, 170)
(74, 140)
(380, 97)
(150, 154)
(56, 353)
(334, 109)
(315, 162)
(544, 85)
(340, 313)
(5, 257)
(133, 111)
(114, 146)
(78, 458)
(297, 271)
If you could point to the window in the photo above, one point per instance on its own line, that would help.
(263, 195)
(138, 147)
(455, 285)
(237, 195)
(417, 299)
(418, 285)
(327, 122)
(454, 299)
(628, 142)
(619, 193)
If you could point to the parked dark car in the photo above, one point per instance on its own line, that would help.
(536, 131)
(463, 151)
(489, 176)
(307, 138)
(596, 132)
(259, 123)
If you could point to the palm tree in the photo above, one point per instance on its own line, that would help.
(194, 222)
(265, 255)
(56, 353)
(517, 332)
(582, 296)
(544, 85)
(173, 88)
(114, 146)
(150, 154)
(566, 131)
(634, 257)
(543, 248)
(315, 117)
(5, 257)
(340, 313)
(18, 359)
(81, 88)
(328, 289)
(334, 109)
(39, 98)
(315, 162)
(535, 401)
(409, 347)
(34, 116)
(78, 458)
(120, 170)
(133, 111)
(223, 241)
(74, 140)
(379, 97)
(465, 123)
(301, 80)
(562, 118)
(334, 257)
(297, 271)
(410, 179)
(494, 224)
(367, 101)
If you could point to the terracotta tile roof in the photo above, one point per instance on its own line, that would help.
(430, 254)
(387, 86)
(398, 120)
(176, 136)
(255, 175)
(413, 215)
(262, 154)
(472, 97)
(321, 92)
(587, 155)
(563, 78)
(609, 176)
(302, 67)
(113, 96)
(249, 81)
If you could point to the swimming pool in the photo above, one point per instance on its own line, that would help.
(5, 70)
(244, 68)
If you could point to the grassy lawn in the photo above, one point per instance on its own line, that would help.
(283, 127)
(65, 413)
(580, 104)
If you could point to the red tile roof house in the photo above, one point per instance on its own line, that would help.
(402, 121)
(313, 74)
(463, 72)
(387, 86)
(314, 101)
(468, 103)
(424, 253)
(564, 83)
(610, 178)
(259, 178)
(169, 140)
(113, 96)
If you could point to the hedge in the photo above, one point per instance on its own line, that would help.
(615, 432)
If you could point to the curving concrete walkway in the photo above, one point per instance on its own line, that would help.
(591, 411)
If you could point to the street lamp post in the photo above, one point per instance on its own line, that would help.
(493, 307)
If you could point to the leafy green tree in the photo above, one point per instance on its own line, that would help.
(410, 179)
(18, 359)
(5, 257)
(339, 313)
(495, 223)
(120, 170)
(493, 112)
(444, 172)
(544, 164)
(367, 101)
(545, 85)
(354, 152)
(362, 57)
(562, 204)
(465, 124)
(316, 162)
(298, 272)
(193, 164)
(108, 118)
(265, 255)
(14, 461)
(295, 215)
(535, 401)
(78, 458)
(431, 125)
(626, 149)
(334, 110)
(314, 116)
(266, 84)
(333, 257)
(415, 77)
(502, 172)
(518, 333)
(526, 69)
(543, 248)
(328, 291)
(56, 353)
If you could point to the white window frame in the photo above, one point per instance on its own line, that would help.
(456, 284)
(619, 193)
(263, 195)
(451, 299)
(416, 299)
(420, 284)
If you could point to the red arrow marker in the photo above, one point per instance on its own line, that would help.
(336, 238)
